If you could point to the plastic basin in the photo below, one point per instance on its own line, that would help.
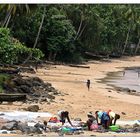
(114, 127)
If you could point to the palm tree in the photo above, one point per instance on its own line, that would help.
(37, 37)
(11, 10)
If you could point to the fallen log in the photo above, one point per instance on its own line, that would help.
(95, 55)
(12, 97)
(9, 71)
(79, 66)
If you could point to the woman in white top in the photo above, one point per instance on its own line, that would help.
(113, 116)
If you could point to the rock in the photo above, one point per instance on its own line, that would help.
(9, 126)
(28, 129)
(136, 125)
(33, 108)
(50, 96)
(4, 132)
(92, 135)
(123, 113)
(77, 119)
(36, 83)
(133, 90)
(24, 89)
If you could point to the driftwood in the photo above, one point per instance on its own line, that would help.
(95, 55)
(12, 97)
(10, 71)
(79, 66)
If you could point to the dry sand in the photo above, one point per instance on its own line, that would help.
(79, 100)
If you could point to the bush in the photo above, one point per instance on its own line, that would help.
(11, 50)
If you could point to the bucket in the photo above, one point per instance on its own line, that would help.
(114, 127)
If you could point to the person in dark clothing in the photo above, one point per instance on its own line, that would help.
(104, 119)
(88, 84)
(63, 115)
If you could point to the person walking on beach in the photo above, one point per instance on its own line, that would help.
(113, 116)
(63, 115)
(88, 84)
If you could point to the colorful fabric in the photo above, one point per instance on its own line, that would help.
(112, 115)
(100, 113)
(104, 118)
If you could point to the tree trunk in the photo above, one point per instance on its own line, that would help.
(50, 56)
(79, 28)
(126, 41)
(81, 32)
(137, 47)
(7, 18)
(37, 37)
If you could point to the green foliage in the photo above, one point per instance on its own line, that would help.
(3, 78)
(97, 28)
(11, 50)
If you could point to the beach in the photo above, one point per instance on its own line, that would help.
(77, 99)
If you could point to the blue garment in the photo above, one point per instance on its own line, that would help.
(104, 118)
(100, 113)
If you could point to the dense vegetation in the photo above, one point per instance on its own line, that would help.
(65, 32)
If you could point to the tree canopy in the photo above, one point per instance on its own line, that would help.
(64, 32)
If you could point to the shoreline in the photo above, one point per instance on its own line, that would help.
(78, 100)
(72, 82)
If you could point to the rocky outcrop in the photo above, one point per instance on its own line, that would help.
(34, 88)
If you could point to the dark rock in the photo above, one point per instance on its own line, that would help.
(9, 126)
(43, 100)
(24, 89)
(36, 83)
(28, 129)
(123, 113)
(4, 132)
(133, 90)
(50, 96)
(136, 125)
(77, 119)
(37, 79)
(33, 108)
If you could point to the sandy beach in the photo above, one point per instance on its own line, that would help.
(77, 99)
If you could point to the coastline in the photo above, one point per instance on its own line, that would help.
(78, 100)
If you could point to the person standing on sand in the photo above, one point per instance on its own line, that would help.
(88, 84)
(63, 115)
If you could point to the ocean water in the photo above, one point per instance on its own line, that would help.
(129, 78)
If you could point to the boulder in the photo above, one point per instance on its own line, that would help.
(33, 108)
